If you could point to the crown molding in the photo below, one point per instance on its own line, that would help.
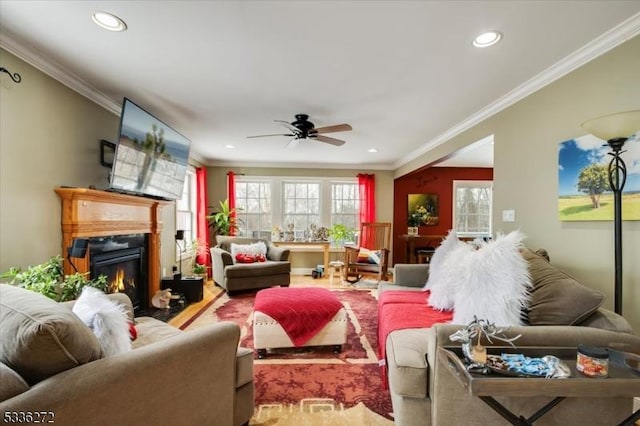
(299, 165)
(602, 44)
(39, 61)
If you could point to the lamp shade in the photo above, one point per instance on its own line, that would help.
(612, 126)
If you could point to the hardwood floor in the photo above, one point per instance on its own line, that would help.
(211, 290)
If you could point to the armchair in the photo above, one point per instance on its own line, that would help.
(374, 236)
(232, 276)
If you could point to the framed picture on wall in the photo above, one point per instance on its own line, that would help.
(584, 193)
(423, 209)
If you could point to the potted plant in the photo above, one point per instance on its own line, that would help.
(223, 221)
(48, 279)
(413, 222)
(339, 234)
(200, 270)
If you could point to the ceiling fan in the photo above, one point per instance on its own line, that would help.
(302, 128)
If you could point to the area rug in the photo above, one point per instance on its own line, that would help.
(313, 382)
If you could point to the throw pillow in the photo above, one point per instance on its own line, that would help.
(439, 255)
(452, 270)
(39, 337)
(496, 284)
(368, 256)
(253, 249)
(245, 258)
(557, 298)
(107, 319)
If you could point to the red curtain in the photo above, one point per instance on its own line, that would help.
(367, 189)
(203, 256)
(231, 195)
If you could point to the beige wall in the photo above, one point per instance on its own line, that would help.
(217, 183)
(526, 170)
(217, 190)
(49, 136)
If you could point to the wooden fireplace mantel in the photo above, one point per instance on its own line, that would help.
(90, 213)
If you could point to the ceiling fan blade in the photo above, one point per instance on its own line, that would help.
(292, 143)
(331, 129)
(288, 125)
(265, 136)
(327, 139)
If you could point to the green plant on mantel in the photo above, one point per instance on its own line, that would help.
(48, 279)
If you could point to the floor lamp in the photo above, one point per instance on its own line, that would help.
(179, 237)
(616, 129)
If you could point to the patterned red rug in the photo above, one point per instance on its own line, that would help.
(297, 376)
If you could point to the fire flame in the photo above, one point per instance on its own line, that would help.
(118, 283)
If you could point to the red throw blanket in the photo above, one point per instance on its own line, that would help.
(404, 309)
(302, 312)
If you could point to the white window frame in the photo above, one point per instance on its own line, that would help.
(487, 184)
(241, 214)
(277, 196)
(189, 195)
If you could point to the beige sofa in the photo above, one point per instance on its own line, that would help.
(233, 276)
(425, 392)
(169, 377)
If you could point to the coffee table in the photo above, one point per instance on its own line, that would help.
(621, 382)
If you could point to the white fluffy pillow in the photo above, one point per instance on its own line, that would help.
(452, 271)
(439, 255)
(106, 318)
(497, 283)
(253, 249)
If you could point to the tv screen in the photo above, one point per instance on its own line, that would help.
(151, 158)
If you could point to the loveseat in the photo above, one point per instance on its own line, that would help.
(234, 276)
(51, 366)
(425, 392)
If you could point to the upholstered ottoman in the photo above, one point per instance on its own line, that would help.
(295, 317)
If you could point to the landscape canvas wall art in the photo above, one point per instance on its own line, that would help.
(584, 193)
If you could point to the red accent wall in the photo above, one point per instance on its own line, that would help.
(433, 180)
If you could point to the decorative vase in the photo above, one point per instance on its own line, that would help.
(412, 230)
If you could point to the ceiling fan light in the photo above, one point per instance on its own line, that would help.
(109, 21)
(487, 39)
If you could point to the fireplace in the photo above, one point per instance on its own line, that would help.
(122, 259)
(100, 215)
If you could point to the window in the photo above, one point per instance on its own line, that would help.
(301, 206)
(253, 208)
(186, 209)
(266, 202)
(472, 208)
(345, 204)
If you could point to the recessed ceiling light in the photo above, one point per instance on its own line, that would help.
(487, 39)
(109, 21)
(229, 146)
(372, 150)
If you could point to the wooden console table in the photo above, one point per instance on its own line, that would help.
(622, 382)
(305, 245)
(410, 243)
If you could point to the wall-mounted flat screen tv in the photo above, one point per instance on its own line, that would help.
(151, 158)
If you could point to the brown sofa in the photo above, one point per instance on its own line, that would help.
(234, 276)
(51, 362)
(425, 392)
